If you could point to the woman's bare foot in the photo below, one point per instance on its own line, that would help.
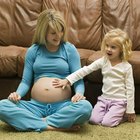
(44, 119)
(72, 129)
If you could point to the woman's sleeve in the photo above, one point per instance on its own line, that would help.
(75, 64)
(27, 77)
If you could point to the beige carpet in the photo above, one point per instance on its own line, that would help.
(126, 131)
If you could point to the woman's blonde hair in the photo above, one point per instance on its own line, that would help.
(49, 18)
(122, 40)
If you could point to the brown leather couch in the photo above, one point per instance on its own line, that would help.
(87, 22)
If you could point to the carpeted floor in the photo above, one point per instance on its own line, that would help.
(125, 131)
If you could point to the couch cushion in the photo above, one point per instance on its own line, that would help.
(135, 61)
(8, 60)
(84, 55)
(20, 64)
(95, 76)
(124, 14)
(83, 19)
(18, 20)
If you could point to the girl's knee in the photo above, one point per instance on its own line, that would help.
(110, 123)
(94, 120)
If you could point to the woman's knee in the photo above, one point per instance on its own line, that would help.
(4, 104)
(85, 107)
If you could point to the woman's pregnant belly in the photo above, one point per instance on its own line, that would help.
(44, 91)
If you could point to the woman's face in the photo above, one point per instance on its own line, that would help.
(53, 38)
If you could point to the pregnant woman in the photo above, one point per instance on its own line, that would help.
(49, 57)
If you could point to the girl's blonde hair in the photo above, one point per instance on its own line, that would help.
(122, 40)
(49, 18)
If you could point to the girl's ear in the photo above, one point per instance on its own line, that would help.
(121, 54)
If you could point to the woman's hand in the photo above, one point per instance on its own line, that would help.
(77, 97)
(131, 117)
(57, 83)
(15, 97)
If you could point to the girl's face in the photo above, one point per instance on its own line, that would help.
(113, 51)
(53, 38)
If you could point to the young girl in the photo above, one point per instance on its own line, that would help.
(117, 99)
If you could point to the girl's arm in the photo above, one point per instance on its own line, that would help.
(130, 113)
(79, 74)
(130, 91)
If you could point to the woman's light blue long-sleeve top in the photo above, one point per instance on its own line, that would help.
(39, 62)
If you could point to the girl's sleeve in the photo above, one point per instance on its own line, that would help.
(130, 91)
(27, 77)
(81, 73)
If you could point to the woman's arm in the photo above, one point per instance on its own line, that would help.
(27, 77)
(75, 64)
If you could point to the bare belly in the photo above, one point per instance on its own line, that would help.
(44, 91)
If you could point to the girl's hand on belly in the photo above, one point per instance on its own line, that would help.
(58, 83)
